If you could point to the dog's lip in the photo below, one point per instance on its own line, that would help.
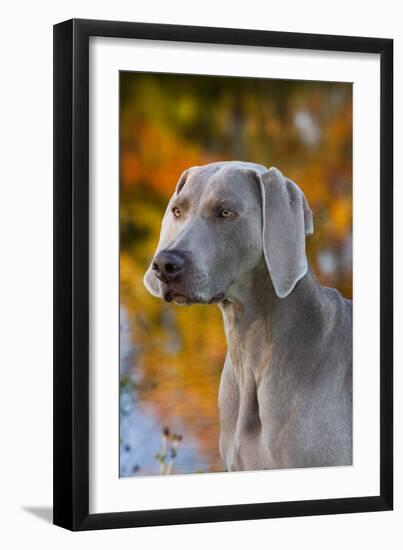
(220, 297)
(170, 294)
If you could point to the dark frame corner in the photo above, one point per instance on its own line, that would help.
(71, 274)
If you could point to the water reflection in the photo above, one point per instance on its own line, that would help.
(142, 425)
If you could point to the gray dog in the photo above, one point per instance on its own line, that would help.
(234, 234)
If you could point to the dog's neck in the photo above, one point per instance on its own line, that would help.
(255, 317)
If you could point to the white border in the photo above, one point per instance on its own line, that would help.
(108, 493)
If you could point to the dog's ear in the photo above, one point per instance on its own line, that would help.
(287, 218)
(181, 182)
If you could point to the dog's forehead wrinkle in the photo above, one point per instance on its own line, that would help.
(228, 185)
(231, 184)
(226, 172)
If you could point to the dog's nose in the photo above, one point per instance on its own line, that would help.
(168, 265)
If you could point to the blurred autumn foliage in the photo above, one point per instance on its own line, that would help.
(171, 122)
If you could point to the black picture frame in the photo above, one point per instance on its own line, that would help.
(71, 274)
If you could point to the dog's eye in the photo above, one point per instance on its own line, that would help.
(176, 212)
(224, 213)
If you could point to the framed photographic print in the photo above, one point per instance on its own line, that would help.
(222, 200)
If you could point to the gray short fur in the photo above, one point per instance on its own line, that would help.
(285, 396)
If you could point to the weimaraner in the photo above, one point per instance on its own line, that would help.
(234, 234)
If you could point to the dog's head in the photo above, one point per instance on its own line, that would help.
(221, 221)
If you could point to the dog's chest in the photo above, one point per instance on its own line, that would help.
(244, 422)
(248, 397)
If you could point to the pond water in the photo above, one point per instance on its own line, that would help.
(147, 407)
